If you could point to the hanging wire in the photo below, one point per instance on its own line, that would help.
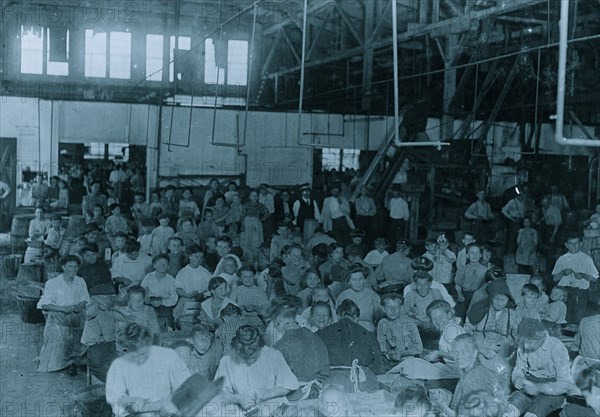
(301, 98)
(248, 79)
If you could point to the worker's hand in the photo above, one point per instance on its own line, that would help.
(461, 298)
(531, 388)
(567, 271)
(519, 383)
(156, 303)
(167, 408)
(433, 356)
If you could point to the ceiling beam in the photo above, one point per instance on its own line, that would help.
(318, 34)
(314, 7)
(456, 25)
(290, 44)
(346, 20)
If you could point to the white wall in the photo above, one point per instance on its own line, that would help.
(273, 153)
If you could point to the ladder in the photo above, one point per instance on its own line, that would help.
(390, 158)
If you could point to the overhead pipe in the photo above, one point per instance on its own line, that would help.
(559, 136)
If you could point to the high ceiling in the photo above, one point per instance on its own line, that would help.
(450, 51)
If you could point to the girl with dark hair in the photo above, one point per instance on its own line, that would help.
(63, 303)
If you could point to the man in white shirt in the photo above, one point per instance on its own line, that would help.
(575, 270)
(336, 217)
(399, 215)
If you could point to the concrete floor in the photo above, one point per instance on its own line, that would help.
(23, 391)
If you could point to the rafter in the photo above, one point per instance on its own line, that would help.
(318, 34)
(458, 24)
(290, 44)
(314, 7)
(346, 20)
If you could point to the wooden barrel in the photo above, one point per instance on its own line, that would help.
(76, 227)
(19, 230)
(10, 264)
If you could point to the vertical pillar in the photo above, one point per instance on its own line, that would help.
(368, 56)
(447, 130)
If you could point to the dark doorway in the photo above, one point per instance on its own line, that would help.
(8, 176)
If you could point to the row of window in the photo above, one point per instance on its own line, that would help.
(46, 51)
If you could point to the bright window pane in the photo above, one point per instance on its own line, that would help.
(120, 55)
(210, 67)
(32, 50)
(55, 67)
(237, 62)
(154, 57)
(184, 43)
(331, 158)
(350, 159)
(95, 54)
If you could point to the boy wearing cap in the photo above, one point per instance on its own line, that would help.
(397, 334)
(541, 374)
(396, 268)
(417, 301)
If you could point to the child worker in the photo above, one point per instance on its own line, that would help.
(99, 330)
(416, 302)
(160, 287)
(191, 284)
(249, 296)
(397, 334)
(469, 279)
(136, 311)
(200, 353)
(364, 297)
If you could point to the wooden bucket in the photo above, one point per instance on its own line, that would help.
(76, 227)
(10, 264)
(29, 311)
(19, 230)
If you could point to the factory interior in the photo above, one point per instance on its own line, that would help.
(300, 208)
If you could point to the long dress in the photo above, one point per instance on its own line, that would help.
(527, 240)
(252, 236)
(62, 332)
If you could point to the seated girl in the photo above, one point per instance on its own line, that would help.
(132, 384)
(322, 295)
(249, 296)
(210, 308)
(365, 298)
(231, 321)
(310, 279)
(320, 316)
(229, 266)
(200, 354)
